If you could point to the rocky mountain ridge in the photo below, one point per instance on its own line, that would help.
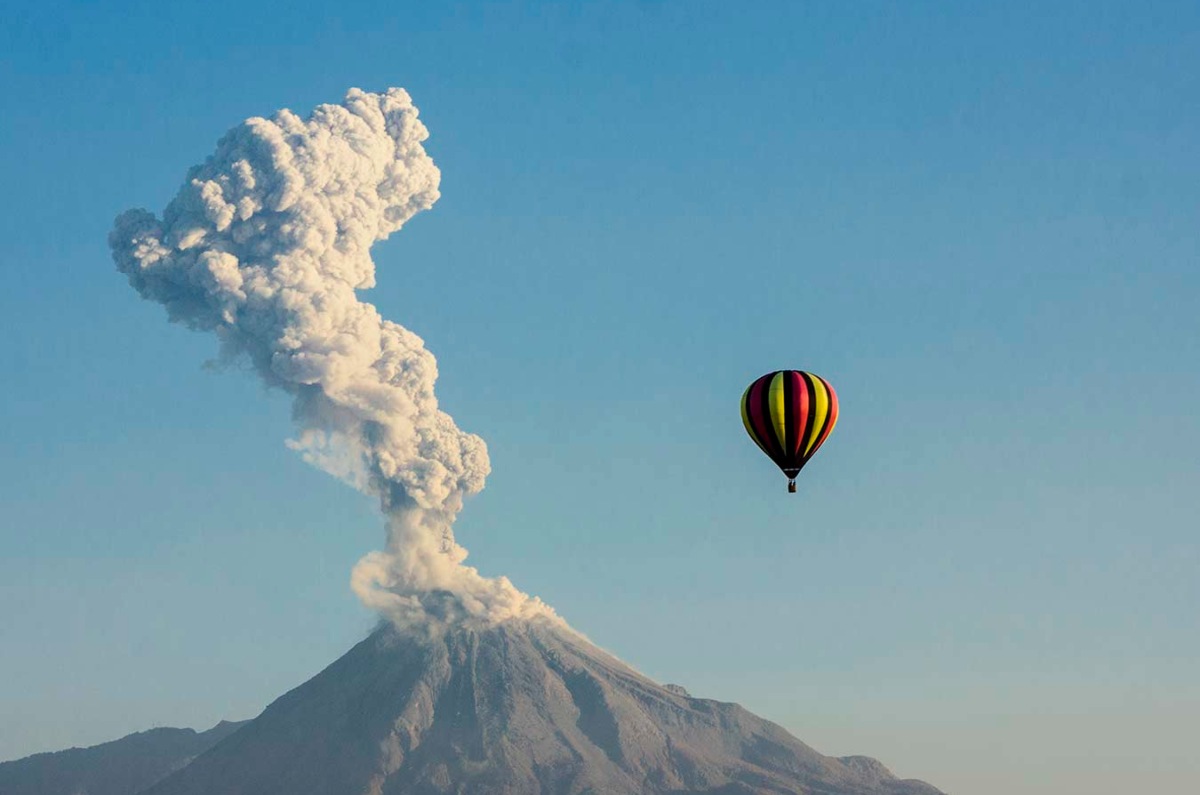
(120, 767)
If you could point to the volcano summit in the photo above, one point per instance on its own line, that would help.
(520, 708)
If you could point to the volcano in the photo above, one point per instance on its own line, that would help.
(519, 708)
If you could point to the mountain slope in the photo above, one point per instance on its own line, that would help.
(518, 709)
(120, 767)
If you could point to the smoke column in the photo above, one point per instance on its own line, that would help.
(265, 245)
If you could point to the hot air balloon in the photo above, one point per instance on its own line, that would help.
(789, 414)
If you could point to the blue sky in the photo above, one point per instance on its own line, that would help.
(978, 222)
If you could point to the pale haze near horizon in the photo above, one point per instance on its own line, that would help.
(978, 224)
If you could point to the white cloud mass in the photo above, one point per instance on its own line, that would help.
(265, 245)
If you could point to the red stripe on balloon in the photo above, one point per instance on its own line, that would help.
(799, 409)
(760, 416)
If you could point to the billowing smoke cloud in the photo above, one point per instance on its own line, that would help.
(265, 245)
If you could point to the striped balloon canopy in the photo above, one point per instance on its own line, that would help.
(789, 415)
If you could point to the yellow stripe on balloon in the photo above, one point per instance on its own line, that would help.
(820, 398)
(778, 409)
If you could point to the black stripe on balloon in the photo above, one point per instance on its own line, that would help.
(789, 417)
(812, 411)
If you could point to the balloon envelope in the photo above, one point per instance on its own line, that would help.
(789, 415)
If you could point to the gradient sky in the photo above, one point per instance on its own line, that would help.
(978, 221)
